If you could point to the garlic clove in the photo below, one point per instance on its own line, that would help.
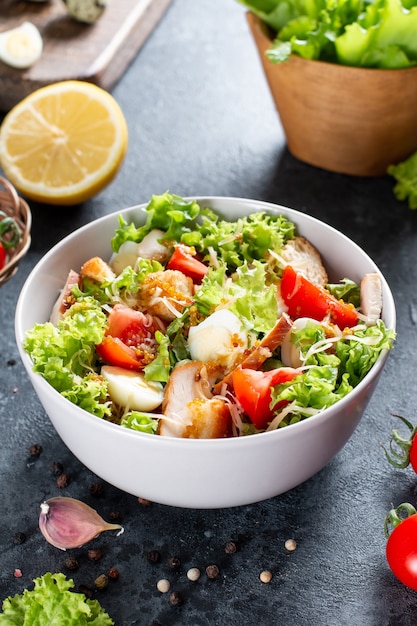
(68, 523)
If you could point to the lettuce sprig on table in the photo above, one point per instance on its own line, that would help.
(52, 602)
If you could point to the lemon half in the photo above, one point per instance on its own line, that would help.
(63, 143)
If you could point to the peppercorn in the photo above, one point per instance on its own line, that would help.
(175, 598)
(94, 554)
(230, 547)
(115, 516)
(11, 362)
(113, 573)
(193, 574)
(63, 480)
(154, 556)
(35, 449)
(71, 563)
(163, 585)
(290, 545)
(86, 590)
(265, 576)
(96, 489)
(174, 562)
(101, 582)
(56, 468)
(212, 571)
(19, 538)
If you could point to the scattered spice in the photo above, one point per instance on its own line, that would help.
(115, 516)
(63, 480)
(96, 489)
(212, 571)
(193, 574)
(11, 362)
(265, 576)
(175, 598)
(163, 585)
(95, 554)
(144, 502)
(114, 573)
(174, 562)
(154, 556)
(56, 468)
(230, 547)
(35, 449)
(19, 538)
(290, 545)
(17, 573)
(86, 590)
(71, 563)
(101, 582)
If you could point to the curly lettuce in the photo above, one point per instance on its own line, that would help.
(52, 602)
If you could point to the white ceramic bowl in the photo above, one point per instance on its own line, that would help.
(186, 472)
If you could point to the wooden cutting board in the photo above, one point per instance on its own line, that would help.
(98, 53)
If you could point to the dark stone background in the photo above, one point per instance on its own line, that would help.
(201, 122)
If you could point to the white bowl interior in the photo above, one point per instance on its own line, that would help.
(197, 473)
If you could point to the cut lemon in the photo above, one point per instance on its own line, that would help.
(63, 143)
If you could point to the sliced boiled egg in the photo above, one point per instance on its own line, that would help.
(127, 255)
(130, 389)
(219, 338)
(22, 46)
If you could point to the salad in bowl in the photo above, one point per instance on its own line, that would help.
(195, 326)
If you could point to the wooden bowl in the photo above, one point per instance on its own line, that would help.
(349, 120)
(13, 206)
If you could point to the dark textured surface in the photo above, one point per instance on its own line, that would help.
(201, 122)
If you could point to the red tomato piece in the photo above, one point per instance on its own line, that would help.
(304, 299)
(130, 338)
(3, 256)
(183, 261)
(113, 351)
(401, 548)
(253, 391)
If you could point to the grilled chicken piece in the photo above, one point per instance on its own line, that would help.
(371, 297)
(191, 410)
(305, 259)
(166, 294)
(98, 270)
(65, 298)
(261, 352)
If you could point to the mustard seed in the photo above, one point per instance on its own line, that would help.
(174, 562)
(35, 449)
(230, 547)
(265, 576)
(63, 480)
(56, 468)
(71, 563)
(154, 556)
(94, 554)
(163, 585)
(96, 489)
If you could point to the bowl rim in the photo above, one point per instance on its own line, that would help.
(303, 425)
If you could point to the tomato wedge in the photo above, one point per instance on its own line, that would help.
(3, 256)
(304, 299)
(253, 391)
(130, 338)
(114, 352)
(184, 261)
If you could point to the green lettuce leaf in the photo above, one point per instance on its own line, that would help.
(405, 174)
(142, 422)
(51, 603)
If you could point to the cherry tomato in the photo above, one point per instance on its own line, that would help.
(185, 262)
(401, 548)
(304, 299)
(130, 338)
(3, 256)
(253, 391)
(403, 450)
